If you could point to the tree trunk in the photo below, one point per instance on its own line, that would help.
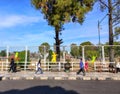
(57, 44)
(111, 51)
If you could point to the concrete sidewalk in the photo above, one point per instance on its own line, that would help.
(27, 75)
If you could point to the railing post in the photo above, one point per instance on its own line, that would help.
(59, 66)
(63, 54)
(44, 58)
(103, 54)
(2, 67)
(48, 66)
(36, 66)
(95, 66)
(25, 58)
(7, 53)
(72, 66)
(83, 54)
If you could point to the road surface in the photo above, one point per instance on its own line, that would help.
(59, 87)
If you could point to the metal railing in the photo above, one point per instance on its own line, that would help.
(29, 56)
(97, 66)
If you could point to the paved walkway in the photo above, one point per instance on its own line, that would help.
(27, 75)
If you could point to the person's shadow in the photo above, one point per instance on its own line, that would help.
(41, 90)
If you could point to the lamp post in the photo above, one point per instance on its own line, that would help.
(99, 32)
(99, 42)
(99, 22)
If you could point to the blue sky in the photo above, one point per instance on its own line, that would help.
(21, 24)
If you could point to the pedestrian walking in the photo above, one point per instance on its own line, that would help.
(12, 66)
(86, 66)
(39, 69)
(81, 68)
(117, 67)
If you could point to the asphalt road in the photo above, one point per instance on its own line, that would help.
(59, 87)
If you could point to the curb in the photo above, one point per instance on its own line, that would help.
(60, 78)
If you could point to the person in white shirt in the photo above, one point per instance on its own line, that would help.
(117, 67)
(39, 69)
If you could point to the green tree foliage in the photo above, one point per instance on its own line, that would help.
(75, 50)
(89, 49)
(116, 49)
(113, 8)
(44, 48)
(90, 53)
(21, 56)
(117, 32)
(86, 43)
(59, 12)
(3, 53)
(116, 12)
(50, 55)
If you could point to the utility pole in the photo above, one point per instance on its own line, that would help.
(99, 22)
(99, 38)
(99, 32)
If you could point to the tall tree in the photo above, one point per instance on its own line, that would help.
(113, 8)
(59, 12)
(75, 50)
(44, 48)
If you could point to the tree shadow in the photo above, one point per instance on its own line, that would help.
(41, 90)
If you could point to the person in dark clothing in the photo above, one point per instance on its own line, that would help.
(81, 68)
(12, 66)
(111, 67)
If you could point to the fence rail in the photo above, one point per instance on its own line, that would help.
(30, 55)
(96, 67)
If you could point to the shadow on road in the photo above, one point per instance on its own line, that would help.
(41, 90)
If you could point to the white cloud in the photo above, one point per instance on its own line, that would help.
(14, 20)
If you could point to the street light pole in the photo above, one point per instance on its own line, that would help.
(99, 27)
(99, 39)
(99, 32)
(99, 42)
